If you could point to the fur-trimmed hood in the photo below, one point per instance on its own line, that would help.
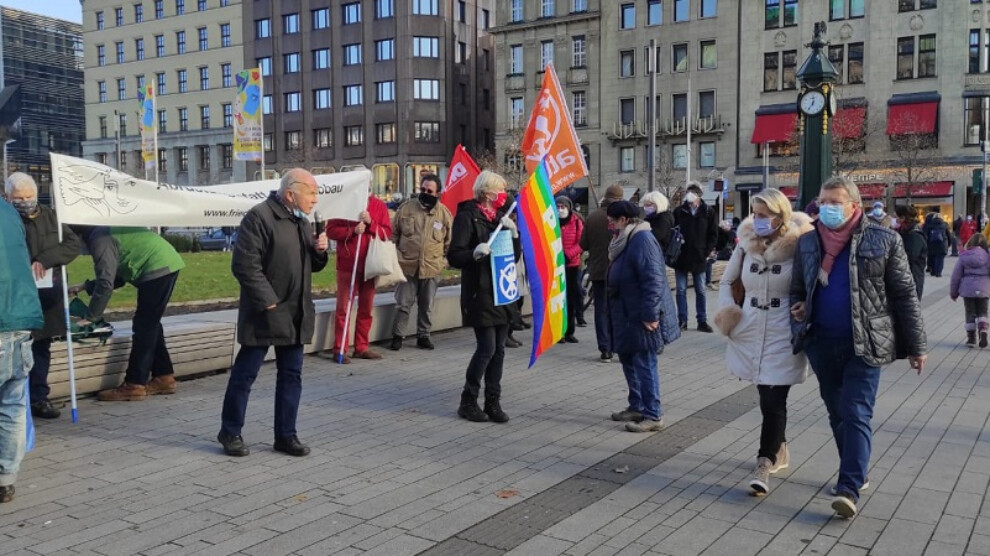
(781, 248)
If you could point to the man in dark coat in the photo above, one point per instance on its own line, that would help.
(698, 224)
(274, 258)
(595, 240)
(956, 228)
(938, 236)
(48, 252)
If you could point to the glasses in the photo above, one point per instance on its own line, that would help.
(834, 204)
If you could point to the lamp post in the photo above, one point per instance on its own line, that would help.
(816, 105)
(5, 166)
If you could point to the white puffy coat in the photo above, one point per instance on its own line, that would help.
(759, 333)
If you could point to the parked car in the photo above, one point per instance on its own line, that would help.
(215, 240)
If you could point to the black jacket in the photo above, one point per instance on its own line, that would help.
(41, 234)
(887, 323)
(471, 227)
(273, 261)
(916, 248)
(936, 248)
(660, 225)
(700, 231)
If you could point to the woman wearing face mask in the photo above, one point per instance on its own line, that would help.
(759, 334)
(469, 251)
(879, 215)
(656, 211)
(571, 228)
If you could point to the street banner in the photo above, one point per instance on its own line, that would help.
(504, 269)
(543, 253)
(550, 135)
(248, 130)
(149, 139)
(460, 179)
(89, 193)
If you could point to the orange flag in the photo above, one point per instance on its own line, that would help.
(550, 134)
(460, 179)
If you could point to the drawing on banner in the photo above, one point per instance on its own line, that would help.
(504, 269)
(247, 116)
(76, 185)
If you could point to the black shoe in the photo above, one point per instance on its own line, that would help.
(233, 445)
(511, 342)
(582, 323)
(45, 410)
(423, 342)
(526, 325)
(396, 344)
(469, 409)
(494, 411)
(517, 326)
(607, 356)
(291, 445)
(570, 339)
(683, 326)
(6, 493)
(704, 327)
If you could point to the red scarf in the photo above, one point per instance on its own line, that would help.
(489, 212)
(834, 241)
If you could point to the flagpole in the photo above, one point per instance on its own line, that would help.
(154, 130)
(56, 198)
(261, 86)
(350, 301)
(688, 167)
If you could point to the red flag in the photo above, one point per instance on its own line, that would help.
(460, 179)
(551, 135)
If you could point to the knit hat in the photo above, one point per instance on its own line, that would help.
(619, 209)
(878, 204)
(614, 192)
(562, 200)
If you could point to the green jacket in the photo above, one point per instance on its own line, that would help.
(19, 305)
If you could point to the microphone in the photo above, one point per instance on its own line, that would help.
(318, 223)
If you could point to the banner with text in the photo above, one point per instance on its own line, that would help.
(460, 179)
(504, 269)
(550, 136)
(248, 125)
(146, 98)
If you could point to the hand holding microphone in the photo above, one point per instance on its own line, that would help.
(322, 243)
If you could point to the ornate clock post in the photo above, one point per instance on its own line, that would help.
(816, 108)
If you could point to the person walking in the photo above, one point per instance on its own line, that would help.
(697, 222)
(915, 244)
(571, 230)
(274, 259)
(956, 228)
(20, 313)
(595, 240)
(758, 331)
(879, 215)
(971, 281)
(937, 235)
(49, 251)
(421, 232)
(853, 309)
(475, 221)
(641, 314)
(967, 230)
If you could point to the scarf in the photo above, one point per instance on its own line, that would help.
(834, 241)
(489, 212)
(618, 243)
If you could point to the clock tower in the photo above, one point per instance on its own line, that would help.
(817, 106)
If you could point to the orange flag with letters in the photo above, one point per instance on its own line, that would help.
(550, 134)
(460, 179)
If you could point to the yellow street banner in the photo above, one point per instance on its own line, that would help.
(149, 138)
(248, 130)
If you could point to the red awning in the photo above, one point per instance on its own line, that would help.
(849, 122)
(774, 128)
(871, 190)
(930, 189)
(790, 191)
(912, 119)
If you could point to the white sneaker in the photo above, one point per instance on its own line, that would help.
(783, 459)
(844, 506)
(646, 425)
(761, 479)
(834, 491)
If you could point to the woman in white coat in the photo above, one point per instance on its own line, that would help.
(759, 332)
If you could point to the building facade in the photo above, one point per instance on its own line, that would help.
(391, 85)
(191, 51)
(42, 78)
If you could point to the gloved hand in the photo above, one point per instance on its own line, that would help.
(482, 251)
(508, 224)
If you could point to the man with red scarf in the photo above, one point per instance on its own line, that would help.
(854, 308)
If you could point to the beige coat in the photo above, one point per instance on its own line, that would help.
(422, 238)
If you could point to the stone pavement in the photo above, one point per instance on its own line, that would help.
(393, 471)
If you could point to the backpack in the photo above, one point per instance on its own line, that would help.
(673, 250)
(936, 235)
(97, 330)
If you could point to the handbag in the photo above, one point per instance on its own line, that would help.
(737, 287)
(381, 253)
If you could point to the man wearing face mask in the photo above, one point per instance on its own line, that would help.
(421, 232)
(48, 253)
(854, 309)
(698, 224)
(880, 216)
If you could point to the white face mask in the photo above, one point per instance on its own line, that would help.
(563, 212)
(691, 198)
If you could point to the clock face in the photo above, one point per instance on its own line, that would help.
(812, 103)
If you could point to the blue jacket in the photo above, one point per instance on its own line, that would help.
(638, 292)
(19, 305)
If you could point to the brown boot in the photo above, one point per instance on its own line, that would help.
(126, 392)
(161, 385)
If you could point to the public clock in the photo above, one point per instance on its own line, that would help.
(833, 104)
(812, 103)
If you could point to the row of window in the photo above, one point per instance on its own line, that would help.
(353, 54)
(202, 34)
(181, 77)
(182, 114)
(704, 156)
(705, 108)
(627, 10)
(351, 13)
(159, 9)
(182, 157)
(385, 134)
(707, 57)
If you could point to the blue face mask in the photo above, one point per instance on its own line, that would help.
(832, 216)
(763, 226)
(298, 213)
(878, 212)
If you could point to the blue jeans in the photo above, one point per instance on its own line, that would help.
(643, 380)
(699, 296)
(848, 386)
(15, 364)
(601, 315)
(288, 388)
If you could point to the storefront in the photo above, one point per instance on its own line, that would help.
(924, 196)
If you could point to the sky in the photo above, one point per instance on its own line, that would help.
(70, 10)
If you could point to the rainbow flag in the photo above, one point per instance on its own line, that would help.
(543, 251)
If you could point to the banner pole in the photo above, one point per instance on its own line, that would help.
(56, 197)
(261, 85)
(499, 227)
(350, 303)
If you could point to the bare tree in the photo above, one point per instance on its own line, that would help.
(506, 159)
(916, 155)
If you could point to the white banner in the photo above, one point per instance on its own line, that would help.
(89, 193)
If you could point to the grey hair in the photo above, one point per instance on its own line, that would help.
(20, 180)
(292, 178)
(486, 182)
(841, 182)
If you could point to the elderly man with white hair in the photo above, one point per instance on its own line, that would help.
(48, 253)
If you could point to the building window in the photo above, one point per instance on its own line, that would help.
(926, 56)
(321, 99)
(201, 5)
(974, 50)
(321, 58)
(322, 138)
(385, 133)
(680, 57)
(426, 132)
(837, 9)
(162, 160)
(180, 42)
(385, 91)
(836, 55)
(353, 95)
(262, 28)
(547, 8)
(709, 55)
(138, 13)
(627, 16)
(678, 107)
(774, 17)
(293, 102)
(771, 71)
(790, 13)
(180, 7)
(162, 121)
(627, 63)
(384, 50)
(461, 11)
(384, 8)
(265, 65)
(352, 13)
(139, 81)
(183, 119)
(225, 76)
(120, 52)
(227, 156)
(224, 35)
(204, 157)
(905, 58)
(291, 62)
(139, 49)
(706, 154)
(426, 47)
(293, 140)
(486, 99)
(709, 8)
(183, 156)
(678, 156)
(486, 19)
(627, 159)
(654, 12)
(290, 24)
(100, 21)
(103, 127)
(579, 56)
(267, 105)
(516, 59)
(182, 78)
(122, 123)
(424, 7)
(159, 9)
(204, 116)
(121, 89)
(579, 103)
(973, 120)
(118, 15)
(627, 111)
(101, 87)
(352, 54)
(426, 89)
(516, 11)
(790, 69)
(160, 45)
(353, 136)
(706, 104)
(911, 5)
(204, 38)
(160, 78)
(515, 112)
(228, 115)
(854, 70)
(101, 55)
(546, 54)
(578, 6)
(321, 18)
(268, 142)
(461, 53)
(681, 10)
(204, 79)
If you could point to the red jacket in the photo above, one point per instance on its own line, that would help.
(342, 231)
(570, 236)
(966, 231)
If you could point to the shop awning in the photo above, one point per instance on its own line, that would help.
(930, 189)
(790, 191)
(849, 122)
(774, 128)
(912, 114)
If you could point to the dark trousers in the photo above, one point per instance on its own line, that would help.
(573, 277)
(487, 361)
(938, 263)
(581, 292)
(42, 351)
(149, 354)
(773, 405)
(975, 307)
(288, 388)
(601, 315)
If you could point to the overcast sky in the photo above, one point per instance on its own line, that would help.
(70, 10)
